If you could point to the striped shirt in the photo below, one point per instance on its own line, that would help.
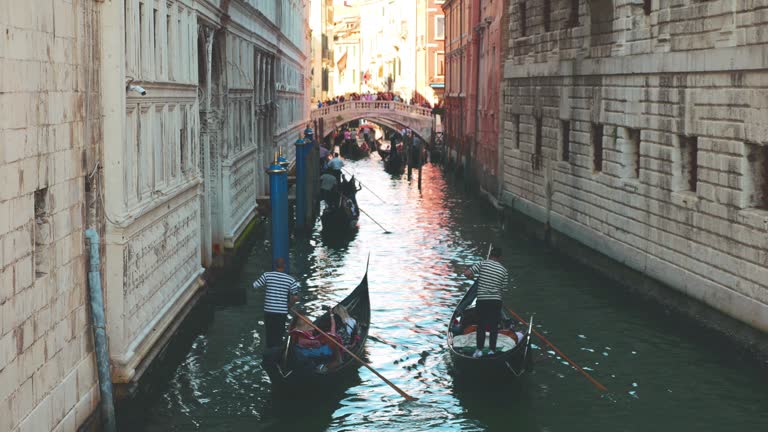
(491, 278)
(279, 287)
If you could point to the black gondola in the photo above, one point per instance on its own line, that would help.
(343, 214)
(342, 217)
(353, 151)
(515, 360)
(286, 367)
(394, 163)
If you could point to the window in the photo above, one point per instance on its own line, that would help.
(573, 18)
(183, 153)
(516, 123)
(440, 27)
(565, 140)
(440, 63)
(42, 232)
(689, 163)
(169, 39)
(156, 38)
(597, 147)
(632, 153)
(647, 7)
(546, 12)
(523, 16)
(537, 150)
(756, 176)
(142, 44)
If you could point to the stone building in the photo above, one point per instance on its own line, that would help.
(347, 47)
(151, 121)
(474, 45)
(321, 24)
(49, 133)
(638, 129)
(430, 50)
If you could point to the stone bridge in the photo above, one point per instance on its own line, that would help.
(395, 115)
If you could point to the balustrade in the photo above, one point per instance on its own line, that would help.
(371, 106)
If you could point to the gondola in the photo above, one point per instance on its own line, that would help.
(510, 359)
(343, 217)
(344, 214)
(353, 151)
(286, 368)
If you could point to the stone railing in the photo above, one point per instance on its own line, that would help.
(371, 106)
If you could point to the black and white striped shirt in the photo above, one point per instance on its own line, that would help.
(491, 278)
(279, 286)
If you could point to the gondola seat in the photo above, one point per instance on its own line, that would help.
(467, 343)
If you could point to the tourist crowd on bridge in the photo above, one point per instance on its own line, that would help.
(378, 96)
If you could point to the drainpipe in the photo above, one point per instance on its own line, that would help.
(100, 333)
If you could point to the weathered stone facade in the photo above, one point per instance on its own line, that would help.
(49, 100)
(474, 54)
(638, 129)
(151, 121)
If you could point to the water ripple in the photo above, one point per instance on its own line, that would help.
(655, 371)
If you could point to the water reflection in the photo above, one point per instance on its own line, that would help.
(214, 381)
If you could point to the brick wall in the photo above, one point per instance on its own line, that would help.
(674, 185)
(47, 100)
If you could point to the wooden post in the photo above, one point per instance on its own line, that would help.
(408, 158)
(421, 161)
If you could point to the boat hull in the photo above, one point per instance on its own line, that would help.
(284, 368)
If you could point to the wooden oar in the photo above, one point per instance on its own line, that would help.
(386, 231)
(560, 353)
(363, 185)
(340, 345)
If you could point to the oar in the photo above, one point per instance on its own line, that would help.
(560, 353)
(386, 231)
(340, 345)
(363, 185)
(578, 368)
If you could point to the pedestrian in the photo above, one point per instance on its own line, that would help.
(281, 293)
(491, 278)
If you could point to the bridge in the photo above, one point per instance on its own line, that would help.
(395, 115)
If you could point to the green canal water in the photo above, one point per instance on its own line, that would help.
(663, 373)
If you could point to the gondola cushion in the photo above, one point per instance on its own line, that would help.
(469, 342)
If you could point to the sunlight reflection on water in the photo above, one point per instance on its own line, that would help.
(415, 282)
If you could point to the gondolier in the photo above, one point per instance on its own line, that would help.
(491, 278)
(281, 293)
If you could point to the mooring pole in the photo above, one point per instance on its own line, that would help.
(421, 160)
(311, 156)
(278, 198)
(301, 185)
(409, 156)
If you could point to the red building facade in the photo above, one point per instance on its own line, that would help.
(474, 47)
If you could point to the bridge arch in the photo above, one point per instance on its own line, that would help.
(395, 115)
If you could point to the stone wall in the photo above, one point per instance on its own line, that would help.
(48, 125)
(641, 134)
(151, 181)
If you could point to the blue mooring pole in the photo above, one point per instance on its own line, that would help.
(278, 198)
(301, 185)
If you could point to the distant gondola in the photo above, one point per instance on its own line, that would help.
(285, 367)
(510, 358)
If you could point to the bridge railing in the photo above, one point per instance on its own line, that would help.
(371, 106)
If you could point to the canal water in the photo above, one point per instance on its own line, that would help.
(663, 373)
